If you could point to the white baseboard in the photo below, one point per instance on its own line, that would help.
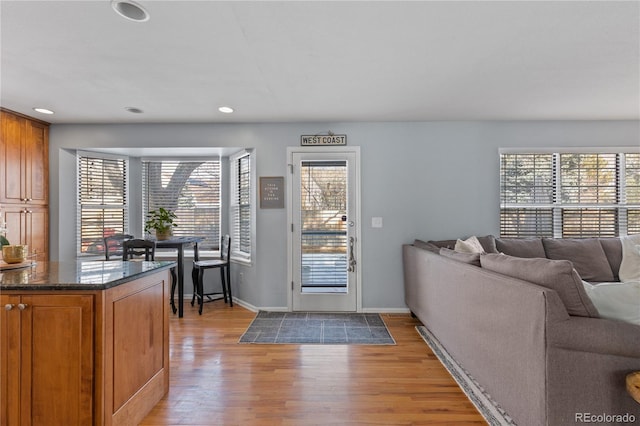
(254, 308)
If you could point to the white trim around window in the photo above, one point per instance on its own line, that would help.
(242, 206)
(102, 200)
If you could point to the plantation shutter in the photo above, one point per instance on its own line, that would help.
(102, 200)
(589, 190)
(569, 194)
(323, 205)
(632, 193)
(191, 189)
(526, 195)
(241, 207)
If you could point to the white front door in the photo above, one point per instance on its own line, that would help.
(324, 213)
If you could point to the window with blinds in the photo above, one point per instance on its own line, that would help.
(569, 194)
(102, 200)
(191, 189)
(241, 206)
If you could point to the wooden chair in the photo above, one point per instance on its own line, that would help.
(224, 265)
(137, 247)
(113, 245)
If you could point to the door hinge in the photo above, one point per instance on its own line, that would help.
(291, 285)
(290, 168)
(292, 227)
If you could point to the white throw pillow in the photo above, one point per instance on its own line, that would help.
(619, 301)
(470, 245)
(630, 266)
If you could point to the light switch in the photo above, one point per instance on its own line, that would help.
(376, 222)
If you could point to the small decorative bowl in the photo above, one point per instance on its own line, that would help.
(15, 253)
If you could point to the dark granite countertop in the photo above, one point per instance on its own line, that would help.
(78, 275)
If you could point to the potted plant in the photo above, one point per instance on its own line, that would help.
(160, 221)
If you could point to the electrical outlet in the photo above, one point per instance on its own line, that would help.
(241, 278)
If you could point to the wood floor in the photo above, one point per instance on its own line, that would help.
(216, 381)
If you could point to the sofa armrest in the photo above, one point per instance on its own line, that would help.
(596, 335)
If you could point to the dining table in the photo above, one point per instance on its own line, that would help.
(180, 243)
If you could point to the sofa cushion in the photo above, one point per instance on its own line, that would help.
(470, 258)
(558, 275)
(470, 245)
(619, 301)
(630, 265)
(488, 242)
(450, 244)
(613, 250)
(521, 247)
(586, 254)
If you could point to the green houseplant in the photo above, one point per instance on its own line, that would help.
(161, 221)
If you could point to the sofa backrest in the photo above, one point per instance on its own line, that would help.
(595, 259)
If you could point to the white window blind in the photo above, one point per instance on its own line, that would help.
(569, 194)
(241, 206)
(632, 192)
(191, 189)
(102, 200)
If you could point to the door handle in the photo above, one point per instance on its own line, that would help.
(352, 258)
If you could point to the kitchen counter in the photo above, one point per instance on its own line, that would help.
(77, 275)
(83, 343)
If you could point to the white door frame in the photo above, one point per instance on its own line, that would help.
(290, 243)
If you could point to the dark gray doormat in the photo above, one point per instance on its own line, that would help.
(318, 328)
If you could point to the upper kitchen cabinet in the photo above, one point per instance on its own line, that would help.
(24, 163)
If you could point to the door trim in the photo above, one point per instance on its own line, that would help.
(290, 243)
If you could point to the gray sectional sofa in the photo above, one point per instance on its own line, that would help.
(520, 324)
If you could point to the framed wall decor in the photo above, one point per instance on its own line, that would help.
(272, 192)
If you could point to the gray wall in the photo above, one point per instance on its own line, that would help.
(427, 180)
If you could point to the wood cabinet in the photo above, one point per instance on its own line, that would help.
(28, 225)
(80, 358)
(24, 145)
(24, 180)
(47, 359)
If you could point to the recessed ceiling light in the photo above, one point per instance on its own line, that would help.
(225, 109)
(134, 110)
(130, 10)
(43, 111)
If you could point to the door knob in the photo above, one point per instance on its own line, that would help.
(8, 306)
(22, 306)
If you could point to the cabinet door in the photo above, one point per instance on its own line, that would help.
(15, 218)
(11, 165)
(29, 225)
(36, 232)
(56, 363)
(36, 162)
(24, 160)
(9, 360)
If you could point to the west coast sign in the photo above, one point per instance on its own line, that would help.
(314, 140)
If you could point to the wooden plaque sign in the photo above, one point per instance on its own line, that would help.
(323, 140)
(272, 192)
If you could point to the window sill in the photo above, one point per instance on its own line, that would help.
(241, 261)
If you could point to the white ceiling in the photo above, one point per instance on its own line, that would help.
(322, 61)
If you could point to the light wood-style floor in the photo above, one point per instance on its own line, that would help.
(216, 381)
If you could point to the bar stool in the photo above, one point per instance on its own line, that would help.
(137, 247)
(225, 276)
